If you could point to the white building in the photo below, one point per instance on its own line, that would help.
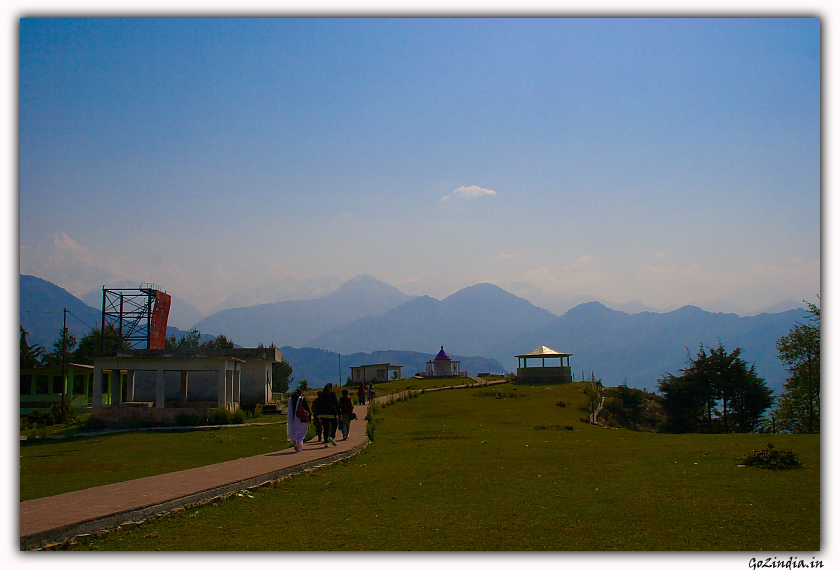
(442, 365)
(367, 373)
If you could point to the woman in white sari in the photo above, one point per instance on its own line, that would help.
(295, 426)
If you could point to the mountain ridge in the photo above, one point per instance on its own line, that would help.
(293, 323)
(641, 347)
(467, 321)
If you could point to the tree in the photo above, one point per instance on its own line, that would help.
(627, 404)
(221, 342)
(714, 378)
(66, 341)
(30, 356)
(751, 398)
(682, 403)
(96, 344)
(281, 374)
(303, 384)
(190, 341)
(798, 407)
(592, 392)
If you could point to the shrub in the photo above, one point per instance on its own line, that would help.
(35, 417)
(95, 424)
(61, 414)
(219, 416)
(187, 419)
(257, 411)
(772, 458)
(238, 417)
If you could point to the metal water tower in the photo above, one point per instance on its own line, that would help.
(139, 315)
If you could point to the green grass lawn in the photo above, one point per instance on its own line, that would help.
(413, 383)
(496, 469)
(52, 467)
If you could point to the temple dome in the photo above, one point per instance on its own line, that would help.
(442, 355)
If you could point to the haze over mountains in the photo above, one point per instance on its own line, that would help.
(466, 322)
(366, 316)
(294, 323)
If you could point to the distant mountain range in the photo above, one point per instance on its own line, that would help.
(467, 322)
(294, 323)
(377, 321)
(181, 313)
(642, 347)
(42, 307)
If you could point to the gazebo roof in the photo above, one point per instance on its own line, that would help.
(542, 351)
(442, 355)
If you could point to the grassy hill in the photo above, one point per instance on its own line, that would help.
(507, 468)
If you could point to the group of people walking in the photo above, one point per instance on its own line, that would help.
(366, 391)
(327, 411)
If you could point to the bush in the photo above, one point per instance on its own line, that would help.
(238, 417)
(219, 416)
(257, 411)
(187, 419)
(95, 424)
(62, 414)
(35, 418)
(772, 458)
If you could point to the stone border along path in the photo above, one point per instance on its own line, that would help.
(50, 521)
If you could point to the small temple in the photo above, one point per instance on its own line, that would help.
(555, 373)
(443, 365)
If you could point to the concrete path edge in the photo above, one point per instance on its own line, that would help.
(136, 516)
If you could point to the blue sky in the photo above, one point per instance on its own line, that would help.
(669, 161)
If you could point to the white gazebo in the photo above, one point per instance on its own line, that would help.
(559, 369)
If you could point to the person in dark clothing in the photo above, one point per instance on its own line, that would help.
(362, 391)
(346, 403)
(318, 427)
(329, 411)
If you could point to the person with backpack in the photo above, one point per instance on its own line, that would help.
(346, 403)
(297, 423)
(371, 393)
(329, 412)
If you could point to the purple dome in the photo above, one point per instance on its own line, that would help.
(442, 355)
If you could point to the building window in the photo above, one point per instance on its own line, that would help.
(380, 374)
(78, 385)
(57, 385)
(25, 384)
(42, 384)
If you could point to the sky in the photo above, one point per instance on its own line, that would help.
(666, 161)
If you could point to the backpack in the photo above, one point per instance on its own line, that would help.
(302, 413)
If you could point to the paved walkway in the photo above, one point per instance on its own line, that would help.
(51, 520)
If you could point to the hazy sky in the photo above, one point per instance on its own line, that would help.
(670, 161)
